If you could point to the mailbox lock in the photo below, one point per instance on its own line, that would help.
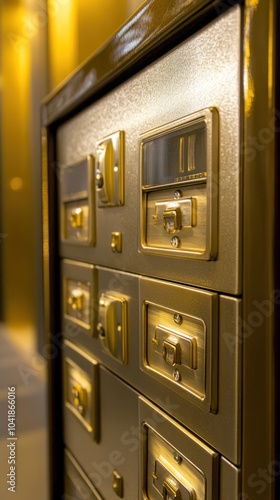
(76, 300)
(99, 180)
(76, 218)
(116, 242)
(175, 242)
(177, 457)
(112, 326)
(170, 491)
(101, 331)
(79, 398)
(178, 194)
(172, 219)
(171, 352)
(178, 319)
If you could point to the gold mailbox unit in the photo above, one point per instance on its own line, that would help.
(160, 246)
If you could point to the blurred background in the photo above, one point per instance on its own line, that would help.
(41, 44)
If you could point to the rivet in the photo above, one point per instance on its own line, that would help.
(177, 194)
(175, 241)
(177, 457)
(177, 375)
(178, 319)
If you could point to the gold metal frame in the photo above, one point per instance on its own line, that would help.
(210, 118)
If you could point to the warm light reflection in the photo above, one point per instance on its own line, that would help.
(249, 86)
(63, 40)
(16, 162)
(270, 73)
(77, 28)
(16, 183)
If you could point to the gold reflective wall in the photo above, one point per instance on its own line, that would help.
(20, 34)
(42, 42)
(78, 27)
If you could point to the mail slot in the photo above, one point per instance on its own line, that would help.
(175, 464)
(77, 212)
(179, 200)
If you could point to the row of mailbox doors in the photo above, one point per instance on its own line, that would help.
(128, 336)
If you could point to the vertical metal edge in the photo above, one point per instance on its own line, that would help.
(46, 252)
(257, 331)
(230, 480)
(91, 199)
(52, 347)
(122, 167)
(46, 281)
(96, 402)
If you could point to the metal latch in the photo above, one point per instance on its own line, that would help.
(76, 299)
(172, 220)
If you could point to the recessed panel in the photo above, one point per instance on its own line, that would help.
(77, 211)
(81, 388)
(79, 284)
(179, 163)
(179, 344)
(175, 464)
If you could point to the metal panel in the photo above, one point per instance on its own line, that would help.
(81, 391)
(230, 481)
(77, 202)
(221, 430)
(179, 181)
(117, 449)
(79, 283)
(187, 319)
(174, 464)
(76, 484)
(177, 85)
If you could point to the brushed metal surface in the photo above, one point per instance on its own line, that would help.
(230, 480)
(186, 458)
(76, 484)
(195, 239)
(221, 430)
(189, 78)
(162, 467)
(197, 230)
(198, 310)
(259, 333)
